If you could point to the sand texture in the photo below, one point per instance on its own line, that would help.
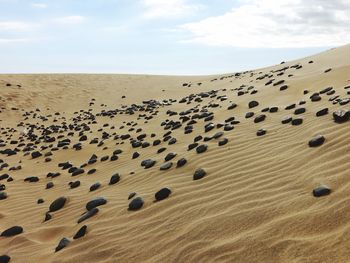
(252, 201)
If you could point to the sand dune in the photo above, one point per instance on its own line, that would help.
(254, 204)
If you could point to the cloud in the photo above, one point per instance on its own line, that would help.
(15, 26)
(276, 24)
(14, 40)
(76, 19)
(39, 5)
(168, 8)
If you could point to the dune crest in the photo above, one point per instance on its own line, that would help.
(242, 167)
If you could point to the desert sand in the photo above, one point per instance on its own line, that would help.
(253, 166)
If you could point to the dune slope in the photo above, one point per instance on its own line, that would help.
(67, 135)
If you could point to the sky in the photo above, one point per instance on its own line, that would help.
(172, 37)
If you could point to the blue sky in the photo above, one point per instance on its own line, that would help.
(165, 36)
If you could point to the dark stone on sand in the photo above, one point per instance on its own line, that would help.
(74, 184)
(131, 195)
(322, 112)
(148, 163)
(47, 217)
(95, 186)
(49, 185)
(289, 107)
(5, 259)
(136, 204)
(40, 201)
(341, 116)
(36, 154)
(96, 202)
(192, 146)
(81, 232)
(3, 195)
(114, 179)
(166, 166)
(223, 142)
(321, 191)
(199, 174)
(4, 176)
(88, 214)
(12, 231)
(299, 111)
(297, 121)
(260, 132)
(317, 141)
(253, 104)
(315, 97)
(32, 179)
(259, 118)
(135, 155)
(249, 114)
(162, 194)
(91, 171)
(57, 204)
(286, 120)
(78, 171)
(181, 162)
(62, 244)
(202, 148)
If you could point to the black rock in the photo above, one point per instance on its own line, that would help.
(148, 163)
(114, 179)
(91, 171)
(57, 204)
(249, 115)
(36, 154)
(341, 116)
(74, 184)
(317, 141)
(162, 194)
(299, 111)
(223, 142)
(286, 120)
(3, 195)
(169, 156)
(297, 121)
(202, 148)
(181, 162)
(253, 104)
(260, 132)
(199, 174)
(78, 171)
(321, 191)
(131, 195)
(259, 118)
(5, 259)
(322, 112)
(81, 232)
(88, 214)
(95, 186)
(96, 202)
(135, 155)
(62, 244)
(136, 204)
(47, 217)
(166, 166)
(12, 231)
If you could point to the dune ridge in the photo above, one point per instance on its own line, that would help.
(255, 203)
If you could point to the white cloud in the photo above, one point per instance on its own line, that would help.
(168, 8)
(14, 40)
(276, 23)
(76, 19)
(39, 5)
(15, 26)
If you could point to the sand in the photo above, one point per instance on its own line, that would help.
(255, 203)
